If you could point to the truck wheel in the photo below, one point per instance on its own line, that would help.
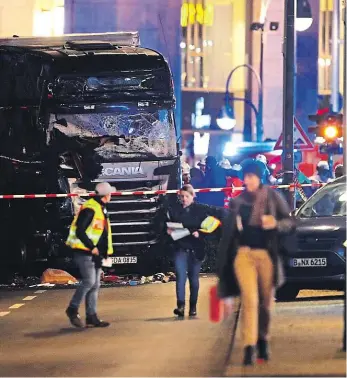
(287, 293)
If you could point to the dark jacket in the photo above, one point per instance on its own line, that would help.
(229, 243)
(216, 177)
(83, 221)
(191, 218)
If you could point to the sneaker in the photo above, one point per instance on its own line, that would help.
(74, 317)
(94, 321)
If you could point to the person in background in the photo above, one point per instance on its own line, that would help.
(198, 182)
(90, 239)
(323, 173)
(267, 178)
(185, 173)
(189, 251)
(202, 166)
(249, 260)
(339, 171)
(216, 177)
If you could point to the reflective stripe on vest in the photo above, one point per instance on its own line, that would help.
(94, 230)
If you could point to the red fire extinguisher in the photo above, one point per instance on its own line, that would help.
(215, 304)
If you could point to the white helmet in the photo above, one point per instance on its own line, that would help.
(261, 158)
(323, 165)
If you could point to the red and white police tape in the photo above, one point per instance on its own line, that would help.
(148, 192)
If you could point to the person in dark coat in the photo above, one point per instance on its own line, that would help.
(190, 250)
(216, 177)
(249, 262)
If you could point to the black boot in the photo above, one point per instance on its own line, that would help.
(94, 321)
(248, 359)
(192, 309)
(263, 350)
(74, 317)
(179, 311)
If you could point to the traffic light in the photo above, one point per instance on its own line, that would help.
(329, 127)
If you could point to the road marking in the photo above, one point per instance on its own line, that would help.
(29, 298)
(17, 305)
(40, 291)
(4, 313)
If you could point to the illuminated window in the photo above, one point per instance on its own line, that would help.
(49, 22)
(325, 35)
(58, 20)
(201, 143)
(206, 44)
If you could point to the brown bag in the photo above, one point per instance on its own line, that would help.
(57, 276)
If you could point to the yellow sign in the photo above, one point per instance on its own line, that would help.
(196, 13)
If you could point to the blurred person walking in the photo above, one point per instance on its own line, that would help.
(216, 177)
(90, 239)
(190, 250)
(249, 262)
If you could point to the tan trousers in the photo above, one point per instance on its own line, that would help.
(254, 273)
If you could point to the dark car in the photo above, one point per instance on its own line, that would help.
(320, 260)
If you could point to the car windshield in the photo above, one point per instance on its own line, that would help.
(330, 201)
(122, 134)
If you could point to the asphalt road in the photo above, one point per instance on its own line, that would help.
(306, 339)
(144, 338)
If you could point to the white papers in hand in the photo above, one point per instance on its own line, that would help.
(180, 233)
(174, 225)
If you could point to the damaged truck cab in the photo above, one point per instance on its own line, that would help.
(76, 110)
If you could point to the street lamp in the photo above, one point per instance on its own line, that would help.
(304, 18)
(226, 121)
(258, 112)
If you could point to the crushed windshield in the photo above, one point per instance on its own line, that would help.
(122, 134)
(330, 201)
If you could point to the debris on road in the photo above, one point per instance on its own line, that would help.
(57, 276)
(60, 279)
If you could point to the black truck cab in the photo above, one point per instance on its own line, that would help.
(76, 110)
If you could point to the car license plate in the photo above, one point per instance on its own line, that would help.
(124, 260)
(308, 262)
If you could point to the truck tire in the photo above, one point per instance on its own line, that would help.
(287, 293)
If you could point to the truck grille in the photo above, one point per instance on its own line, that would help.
(131, 219)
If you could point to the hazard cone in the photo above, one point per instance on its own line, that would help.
(214, 305)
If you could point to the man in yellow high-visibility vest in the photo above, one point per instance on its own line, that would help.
(90, 239)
